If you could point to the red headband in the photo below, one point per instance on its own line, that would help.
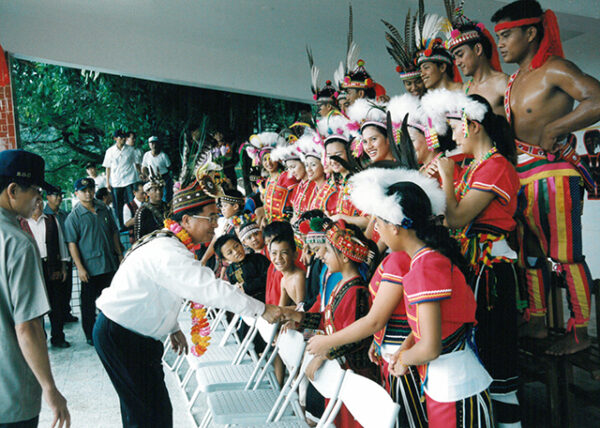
(518, 23)
(549, 45)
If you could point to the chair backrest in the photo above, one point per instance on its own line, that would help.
(328, 379)
(266, 330)
(369, 403)
(290, 346)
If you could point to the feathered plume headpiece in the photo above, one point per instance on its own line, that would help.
(260, 144)
(154, 180)
(310, 144)
(326, 94)
(403, 50)
(465, 31)
(335, 125)
(370, 193)
(364, 112)
(436, 104)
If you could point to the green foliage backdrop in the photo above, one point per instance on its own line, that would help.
(68, 116)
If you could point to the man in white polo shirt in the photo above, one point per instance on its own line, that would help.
(121, 162)
(159, 162)
(141, 306)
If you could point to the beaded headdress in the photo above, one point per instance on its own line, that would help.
(246, 225)
(346, 242)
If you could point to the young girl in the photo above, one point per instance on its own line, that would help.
(481, 208)
(347, 251)
(370, 118)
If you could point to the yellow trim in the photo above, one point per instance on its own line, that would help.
(548, 174)
(559, 209)
(582, 299)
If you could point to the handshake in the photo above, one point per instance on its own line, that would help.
(275, 313)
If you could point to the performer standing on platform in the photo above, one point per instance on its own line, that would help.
(481, 209)
(476, 54)
(142, 303)
(539, 106)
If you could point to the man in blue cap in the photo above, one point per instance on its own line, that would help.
(25, 373)
(93, 240)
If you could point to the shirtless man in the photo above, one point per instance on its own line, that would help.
(477, 57)
(282, 250)
(437, 70)
(539, 106)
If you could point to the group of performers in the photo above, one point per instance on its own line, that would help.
(400, 226)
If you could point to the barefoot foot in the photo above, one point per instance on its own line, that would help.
(575, 341)
(535, 328)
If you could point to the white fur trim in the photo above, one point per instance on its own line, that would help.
(310, 144)
(369, 187)
(363, 110)
(434, 104)
(264, 139)
(400, 105)
(336, 124)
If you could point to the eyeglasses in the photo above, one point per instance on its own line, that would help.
(213, 218)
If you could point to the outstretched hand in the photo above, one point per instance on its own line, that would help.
(318, 345)
(272, 313)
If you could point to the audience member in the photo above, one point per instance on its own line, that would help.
(93, 240)
(158, 161)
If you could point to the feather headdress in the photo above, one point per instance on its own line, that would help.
(326, 94)
(466, 31)
(365, 112)
(430, 37)
(194, 153)
(403, 50)
(369, 192)
(310, 144)
(335, 125)
(401, 105)
(260, 144)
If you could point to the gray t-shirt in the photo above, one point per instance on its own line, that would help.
(93, 234)
(22, 298)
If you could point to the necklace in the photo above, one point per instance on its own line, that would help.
(464, 185)
(424, 167)
(200, 330)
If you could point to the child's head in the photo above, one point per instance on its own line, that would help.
(249, 232)
(276, 228)
(232, 203)
(346, 244)
(230, 248)
(283, 252)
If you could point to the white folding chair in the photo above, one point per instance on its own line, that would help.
(257, 406)
(369, 403)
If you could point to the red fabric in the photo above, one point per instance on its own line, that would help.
(273, 290)
(391, 270)
(550, 44)
(303, 196)
(325, 198)
(4, 73)
(497, 175)
(495, 60)
(457, 76)
(518, 23)
(432, 277)
(440, 415)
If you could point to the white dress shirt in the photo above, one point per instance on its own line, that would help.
(100, 181)
(159, 163)
(122, 165)
(153, 281)
(127, 214)
(38, 228)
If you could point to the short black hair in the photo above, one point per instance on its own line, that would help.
(485, 43)
(131, 133)
(119, 133)
(90, 165)
(521, 9)
(101, 193)
(285, 237)
(136, 186)
(278, 228)
(222, 240)
(6, 181)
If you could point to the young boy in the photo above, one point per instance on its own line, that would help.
(249, 271)
(249, 233)
(283, 256)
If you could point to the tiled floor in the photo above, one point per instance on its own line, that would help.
(91, 398)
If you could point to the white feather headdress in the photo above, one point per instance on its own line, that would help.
(364, 111)
(400, 105)
(461, 104)
(264, 139)
(335, 124)
(368, 191)
(310, 144)
(435, 105)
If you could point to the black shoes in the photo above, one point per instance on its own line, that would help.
(71, 318)
(60, 344)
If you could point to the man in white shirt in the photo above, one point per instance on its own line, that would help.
(48, 236)
(144, 299)
(131, 141)
(131, 207)
(158, 161)
(92, 172)
(121, 162)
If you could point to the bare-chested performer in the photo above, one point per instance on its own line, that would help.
(539, 105)
(433, 60)
(476, 54)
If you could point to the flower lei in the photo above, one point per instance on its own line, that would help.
(200, 331)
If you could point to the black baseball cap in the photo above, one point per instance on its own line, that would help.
(24, 166)
(56, 191)
(84, 183)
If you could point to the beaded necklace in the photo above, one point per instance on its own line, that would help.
(464, 187)
(436, 157)
(200, 330)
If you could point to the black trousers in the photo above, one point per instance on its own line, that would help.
(121, 196)
(55, 291)
(90, 291)
(67, 290)
(31, 423)
(133, 363)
